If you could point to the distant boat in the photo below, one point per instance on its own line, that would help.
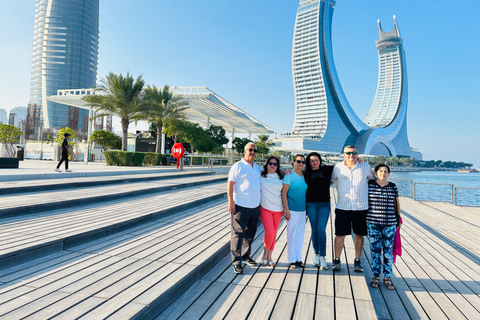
(469, 170)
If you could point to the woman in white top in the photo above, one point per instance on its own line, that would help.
(271, 206)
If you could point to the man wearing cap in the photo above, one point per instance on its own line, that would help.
(65, 154)
(352, 177)
(243, 190)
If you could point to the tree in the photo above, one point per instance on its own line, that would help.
(240, 143)
(61, 136)
(159, 105)
(219, 137)
(106, 140)
(173, 128)
(120, 97)
(394, 160)
(9, 135)
(263, 143)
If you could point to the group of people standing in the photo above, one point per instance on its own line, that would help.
(366, 204)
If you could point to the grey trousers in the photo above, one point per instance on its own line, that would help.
(243, 228)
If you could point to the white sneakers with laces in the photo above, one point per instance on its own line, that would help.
(323, 263)
(316, 260)
(58, 170)
(68, 170)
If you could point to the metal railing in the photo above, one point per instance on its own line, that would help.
(413, 192)
(456, 196)
(437, 184)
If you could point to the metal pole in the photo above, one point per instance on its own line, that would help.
(456, 196)
(452, 193)
(415, 192)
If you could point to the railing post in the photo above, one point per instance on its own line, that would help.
(452, 193)
(415, 191)
(455, 196)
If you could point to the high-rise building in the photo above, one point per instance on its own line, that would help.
(3, 116)
(20, 114)
(65, 51)
(324, 120)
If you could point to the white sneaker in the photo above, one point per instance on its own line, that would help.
(316, 260)
(323, 263)
(68, 170)
(58, 170)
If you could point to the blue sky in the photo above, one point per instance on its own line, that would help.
(242, 51)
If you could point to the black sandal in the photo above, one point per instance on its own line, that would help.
(300, 264)
(375, 282)
(293, 265)
(388, 283)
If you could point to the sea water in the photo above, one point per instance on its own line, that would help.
(437, 186)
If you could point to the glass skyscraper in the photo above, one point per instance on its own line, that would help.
(65, 52)
(324, 120)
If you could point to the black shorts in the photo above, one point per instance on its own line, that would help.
(346, 220)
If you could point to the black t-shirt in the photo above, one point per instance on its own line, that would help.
(65, 146)
(318, 182)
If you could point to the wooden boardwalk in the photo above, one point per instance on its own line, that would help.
(437, 277)
(177, 266)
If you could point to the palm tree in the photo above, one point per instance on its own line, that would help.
(121, 98)
(263, 143)
(159, 105)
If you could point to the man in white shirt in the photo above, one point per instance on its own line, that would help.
(352, 177)
(243, 190)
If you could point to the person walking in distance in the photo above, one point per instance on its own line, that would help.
(352, 176)
(65, 153)
(243, 191)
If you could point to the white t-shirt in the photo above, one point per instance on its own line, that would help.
(352, 185)
(246, 192)
(271, 191)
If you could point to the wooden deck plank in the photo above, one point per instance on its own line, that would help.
(222, 305)
(285, 305)
(264, 305)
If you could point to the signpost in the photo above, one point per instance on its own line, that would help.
(178, 150)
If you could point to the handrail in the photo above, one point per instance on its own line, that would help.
(456, 195)
(442, 184)
(411, 185)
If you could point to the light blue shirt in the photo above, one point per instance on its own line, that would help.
(297, 191)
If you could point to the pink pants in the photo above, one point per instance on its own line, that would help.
(270, 221)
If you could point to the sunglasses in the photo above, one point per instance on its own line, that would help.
(300, 161)
(273, 164)
(351, 152)
(252, 150)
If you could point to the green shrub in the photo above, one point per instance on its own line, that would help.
(162, 159)
(118, 158)
(138, 158)
(151, 159)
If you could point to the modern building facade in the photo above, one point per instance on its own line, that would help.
(19, 114)
(65, 51)
(3, 116)
(324, 120)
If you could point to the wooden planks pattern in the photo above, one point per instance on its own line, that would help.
(437, 277)
(48, 200)
(124, 275)
(70, 226)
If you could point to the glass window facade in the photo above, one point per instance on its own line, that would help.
(65, 54)
(324, 120)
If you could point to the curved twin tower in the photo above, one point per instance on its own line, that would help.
(324, 120)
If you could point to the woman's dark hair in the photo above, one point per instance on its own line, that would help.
(308, 166)
(66, 134)
(379, 165)
(265, 168)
